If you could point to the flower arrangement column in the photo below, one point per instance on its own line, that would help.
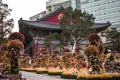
(14, 47)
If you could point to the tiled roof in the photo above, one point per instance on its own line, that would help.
(100, 26)
(40, 24)
(55, 26)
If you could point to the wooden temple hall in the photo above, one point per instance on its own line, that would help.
(36, 31)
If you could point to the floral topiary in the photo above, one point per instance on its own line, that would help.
(93, 60)
(95, 40)
(13, 48)
(67, 58)
(56, 52)
(17, 35)
(66, 50)
(15, 44)
(93, 37)
(91, 50)
(3, 47)
(78, 48)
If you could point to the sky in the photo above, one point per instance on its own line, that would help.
(24, 9)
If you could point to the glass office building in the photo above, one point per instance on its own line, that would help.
(75, 4)
(103, 10)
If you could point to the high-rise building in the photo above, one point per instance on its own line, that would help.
(52, 5)
(75, 4)
(37, 16)
(103, 10)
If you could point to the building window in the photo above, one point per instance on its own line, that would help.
(84, 2)
(96, 0)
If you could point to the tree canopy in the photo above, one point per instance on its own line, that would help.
(114, 36)
(76, 23)
(6, 25)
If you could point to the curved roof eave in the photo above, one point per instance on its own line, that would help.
(55, 26)
(100, 25)
(40, 24)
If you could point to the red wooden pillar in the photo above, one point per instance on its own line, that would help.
(35, 47)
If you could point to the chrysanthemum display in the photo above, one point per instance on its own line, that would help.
(66, 50)
(15, 44)
(17, 35)
(93, 37)
(56, 52)
(93, 59)
(13, 48)
(78, 48)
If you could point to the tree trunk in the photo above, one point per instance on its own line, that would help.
(74, 44)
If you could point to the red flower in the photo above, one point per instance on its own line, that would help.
(56, 52)
(42, 49)
(4, 47)
(91, 50)
(93, 36)
(15, 44)
(78, 48)
(17, 35)
(66, 50)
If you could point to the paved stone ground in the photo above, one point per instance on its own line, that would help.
(34, 76)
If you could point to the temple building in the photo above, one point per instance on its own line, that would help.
(36, 31)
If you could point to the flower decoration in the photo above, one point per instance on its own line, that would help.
(3, 47)
(77, 48)
(93, 60)
(66, 50)
(56, 52)
(13, 47)
(91, 50)
(42, 49)
(107, 76)
(17, 35)
(15, 44)
(93, 37)
(67, 58)
(44, 53)
(79, 56)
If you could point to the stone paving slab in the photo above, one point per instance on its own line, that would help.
(34, 76)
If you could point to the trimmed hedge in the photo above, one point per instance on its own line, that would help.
(100, 77)
(54, 73)
(68, 76)
(41, 72)
(28, 69)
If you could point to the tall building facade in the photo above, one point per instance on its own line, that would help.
(37, 16)
(75, 4)
(103, 10)
(52, 5)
